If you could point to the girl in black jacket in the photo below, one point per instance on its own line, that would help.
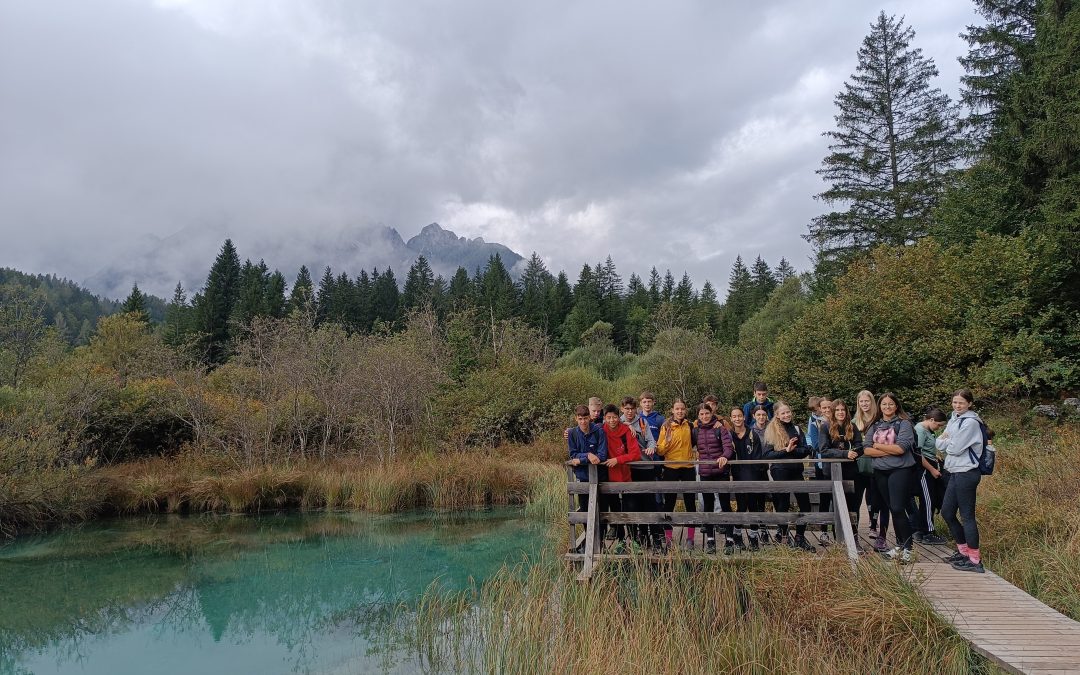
(785, 440)
(844, 441)
(747, 446)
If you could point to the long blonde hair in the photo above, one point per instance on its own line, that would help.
(775, 434)
(864, 421)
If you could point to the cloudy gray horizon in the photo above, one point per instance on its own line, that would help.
(138, 135)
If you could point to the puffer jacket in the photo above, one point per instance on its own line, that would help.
(712, 441)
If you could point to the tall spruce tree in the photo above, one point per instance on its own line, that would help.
(764, 283)
(739, 302)
(326, 300)
(135, 303)
(560, 300)
(535, 284)
(365, 315)
(896, 143)
(275, 295)
(251, 300)
(214, 306)
(302, 295)
(706, 313)
(586, 309)
(177, 318)
(460, 291)
(498, 295)
(419, 286)
(784, 271)
(385, 297)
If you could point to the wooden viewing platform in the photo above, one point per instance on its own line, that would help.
(1012, 629)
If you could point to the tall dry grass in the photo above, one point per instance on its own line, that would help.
(1029, 511)
(198, 482)
(779, 613)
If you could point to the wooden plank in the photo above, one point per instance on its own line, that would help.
(713, 487)
(843, 521)
(718, 518)
(592, 526)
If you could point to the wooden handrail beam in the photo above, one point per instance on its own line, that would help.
(712, 487)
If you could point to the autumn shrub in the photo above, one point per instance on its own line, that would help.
(922, 320)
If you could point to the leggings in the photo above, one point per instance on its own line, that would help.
(689, 499)
(709, 498)
(894, 486)
(960, 496)
(782, 500)
(646, 502)
(750, 503)
(863, 486)
(824, 498)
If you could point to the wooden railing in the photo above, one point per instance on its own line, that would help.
(593, 518)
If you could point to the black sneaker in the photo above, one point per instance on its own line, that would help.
(956, 557)
(754, 544)
(932, 539)
(710, 545)
(729, 546)
(779, 538)
(918, 537)
(800, 542)
(966, 565)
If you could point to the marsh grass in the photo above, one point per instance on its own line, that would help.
(1029, 512)
(193, 483)
(781, 613)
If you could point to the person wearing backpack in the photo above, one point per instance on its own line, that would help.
(748, 446)
(964, 443)
(890, 440)
(714, 445)
(785, 440)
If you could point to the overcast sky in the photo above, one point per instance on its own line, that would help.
(674, 134)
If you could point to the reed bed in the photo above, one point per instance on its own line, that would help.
(1029, 512)
(784, 612)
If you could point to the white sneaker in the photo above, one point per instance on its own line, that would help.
(824, 539)
(892, 554)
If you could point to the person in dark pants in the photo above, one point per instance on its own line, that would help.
(713, 443)
(890, 440)
(676, 443)
(748, 446)
(587, 444)
(622, 449)
(963, 442)
(784, 440)
(929, 483)
(644, 535)
(845, 442)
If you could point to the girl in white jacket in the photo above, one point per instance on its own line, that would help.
(961, 439)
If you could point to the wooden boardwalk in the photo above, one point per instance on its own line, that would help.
(1012, 629)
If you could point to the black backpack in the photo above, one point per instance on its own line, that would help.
(988, 458)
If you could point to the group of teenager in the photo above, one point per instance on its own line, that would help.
(904, 469)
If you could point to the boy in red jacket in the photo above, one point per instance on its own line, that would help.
(623, 448)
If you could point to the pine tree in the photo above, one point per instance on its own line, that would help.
(214, 306)
(536, 282)
(610, 289)
(385, 297)
(764, 283)
(784, 271)
(460, 292)
(706, 313)
(365, 313)
(419, 286)
(586, 309)
(637, 311)
(560, 300)
(682, 299)
(668, 289)
(251, 301)
(275, 295)
(326, 298)
(895, 145)
(303, 292)
(998, 52)
(136, 304)
(177, 318)
(498, 295)
(737, 306)
(654, 289)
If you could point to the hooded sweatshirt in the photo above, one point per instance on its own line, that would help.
(580, 444)
(751, 405)
(655, 420)
(675, 442)
(622, 446)
(713, 442)
(749, 447)
(897, 431)
(962, 432)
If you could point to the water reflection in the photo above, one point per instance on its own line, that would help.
(281, 593)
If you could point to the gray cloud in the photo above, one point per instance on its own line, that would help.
(137, 135)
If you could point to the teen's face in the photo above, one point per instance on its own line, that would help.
(761, 396)
(932, 425)
(825, 408)
(761, 417)
(611, 419)
(960, 405)
(712, 406)
(647, 405)
(705, 415)
(888, 407)
(583, 422)
(840, 413)
(595, 408)
(737, 418)
(628, 412)
(865, 404)
(679, 411)
(785, 414)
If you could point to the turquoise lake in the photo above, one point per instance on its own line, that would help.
(285, 593)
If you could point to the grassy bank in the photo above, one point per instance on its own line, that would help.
(196, 483)
(1029, 510)
(781, 613)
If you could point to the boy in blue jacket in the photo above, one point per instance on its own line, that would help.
(587, 444)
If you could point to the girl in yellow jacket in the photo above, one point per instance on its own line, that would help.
(675, 444)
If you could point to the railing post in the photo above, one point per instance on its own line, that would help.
(843, 521)
(592, 525)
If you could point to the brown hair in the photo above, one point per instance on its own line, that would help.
(582, 411)
(834, 426)
(629, 401)
(965, 394)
